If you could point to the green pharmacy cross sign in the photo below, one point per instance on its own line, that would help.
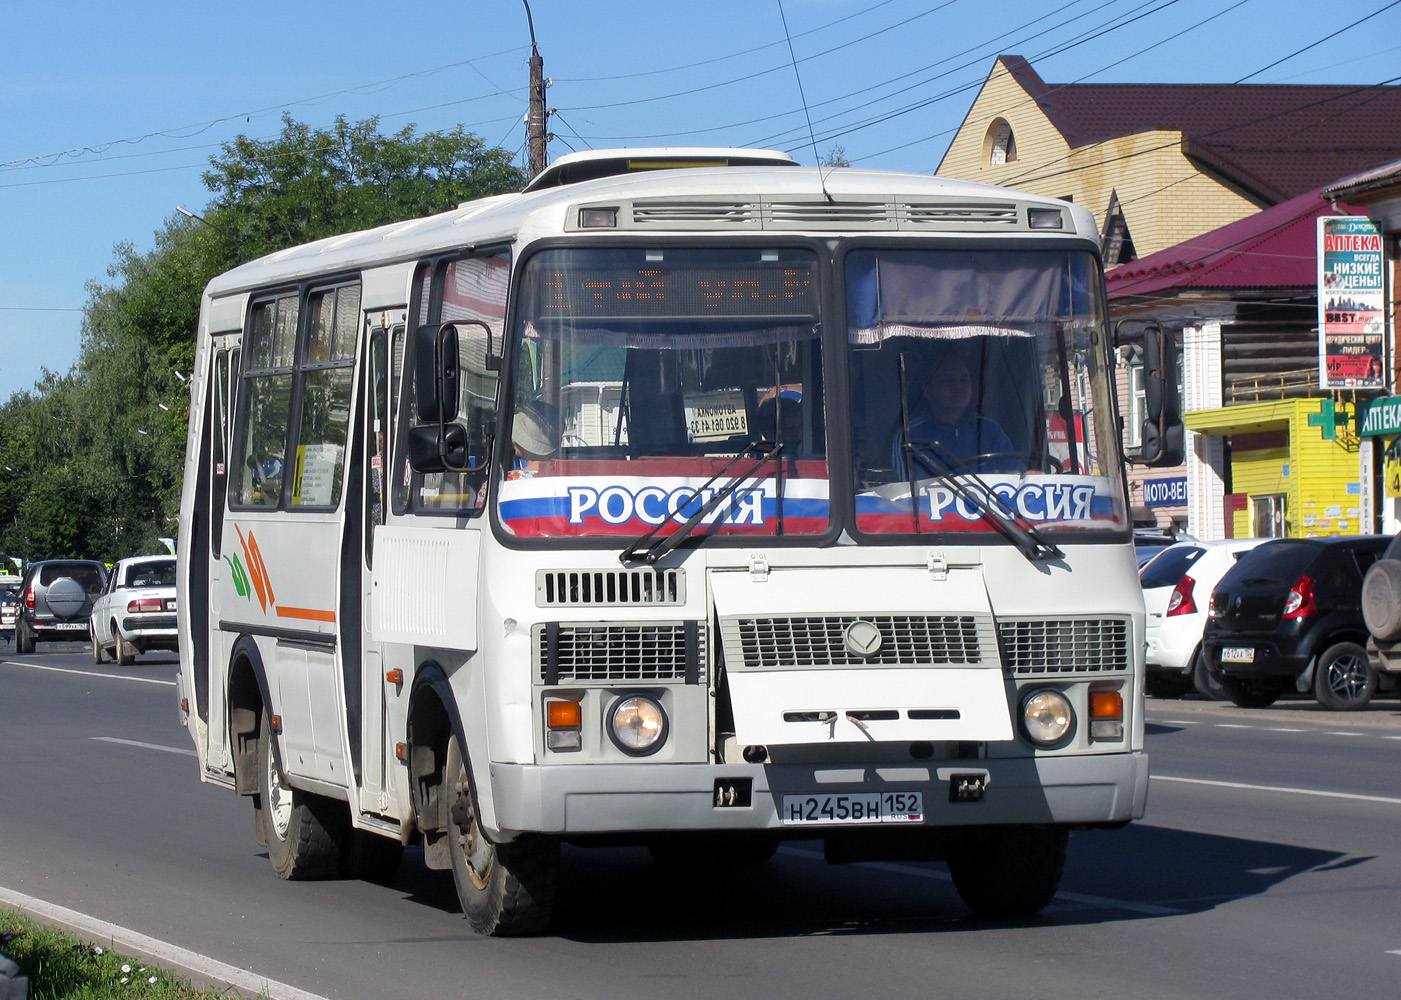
(1383, 416)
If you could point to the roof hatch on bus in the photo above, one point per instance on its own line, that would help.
(592, 164)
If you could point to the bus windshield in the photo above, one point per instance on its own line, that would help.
(657, 386)
(977, 380)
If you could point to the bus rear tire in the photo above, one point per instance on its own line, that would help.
(505, 889)
(1007, 871)
(299, 829)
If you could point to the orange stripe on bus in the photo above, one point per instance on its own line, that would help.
(253, 570)
(310, 614)
(262, 566)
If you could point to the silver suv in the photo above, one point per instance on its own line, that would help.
(55, 599)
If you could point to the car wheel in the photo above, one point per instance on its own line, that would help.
(299, 829)
(1208, 685)
(24, 638)
(1252, 692)
(99, 651)
(1343, 679)
(124, 652)
(1166, 685)
(504, 889)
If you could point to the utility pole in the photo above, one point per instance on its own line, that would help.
(536, 136)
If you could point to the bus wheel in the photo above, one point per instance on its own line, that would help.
(505, 889)
(1007, 871)
(299, 828)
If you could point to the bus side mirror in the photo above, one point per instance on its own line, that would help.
(1162, 417)
(432, 451)
(436, 373)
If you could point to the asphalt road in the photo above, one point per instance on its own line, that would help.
(1267, 866)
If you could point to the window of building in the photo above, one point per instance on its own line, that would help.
(1000, 145)
(1133, 432)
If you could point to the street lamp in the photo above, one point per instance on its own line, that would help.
(218, 229)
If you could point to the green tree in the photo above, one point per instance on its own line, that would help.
(95, 456)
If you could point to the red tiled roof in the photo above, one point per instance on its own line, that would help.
(1274, 248)
(1275, 140)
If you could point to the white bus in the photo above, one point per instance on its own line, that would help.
(700, 507)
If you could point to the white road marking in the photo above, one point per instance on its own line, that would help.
(1285, 729)
(1179, 722)
(1329, 732)
(1103, 902)
(144, 746)
(1231, 725)
(161, 951)
(89, 673)
(1278, 788)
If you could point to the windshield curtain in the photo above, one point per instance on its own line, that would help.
(987, 363)
(648, 381)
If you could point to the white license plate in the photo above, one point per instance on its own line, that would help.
(170, 605)
(858, 807)
(1237, 654)
(70, 625)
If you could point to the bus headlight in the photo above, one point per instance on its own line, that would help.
(637, 725)
(1047, 718)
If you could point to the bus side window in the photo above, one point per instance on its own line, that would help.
(326, 370)
(377, 437)
(266, 403)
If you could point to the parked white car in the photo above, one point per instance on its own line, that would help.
(136, 610)
(1177, 585)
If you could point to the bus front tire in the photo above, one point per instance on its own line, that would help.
(299, 829)
(505, 889)
(1007, 871)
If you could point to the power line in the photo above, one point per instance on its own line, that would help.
(204, 126)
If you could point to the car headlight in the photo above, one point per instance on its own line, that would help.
(637, 725)
(1047, 718)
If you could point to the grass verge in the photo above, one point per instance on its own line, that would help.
(62, 967)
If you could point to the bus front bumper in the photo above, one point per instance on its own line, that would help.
(632, 798)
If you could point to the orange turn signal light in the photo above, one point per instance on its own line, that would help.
(563, 715)
(1106, 705)
(395, 676)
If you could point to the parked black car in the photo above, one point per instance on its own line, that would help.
(56, 597)
(1290, 606)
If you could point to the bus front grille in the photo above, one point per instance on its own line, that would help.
(571, 588)
(1064, 645)
(568, 652)
(776, 643)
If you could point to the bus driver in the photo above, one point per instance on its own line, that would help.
(944, 415)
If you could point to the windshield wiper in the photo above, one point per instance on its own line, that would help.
(948, 469)
(652, 546)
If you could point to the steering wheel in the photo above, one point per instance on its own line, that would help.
(1054, 464)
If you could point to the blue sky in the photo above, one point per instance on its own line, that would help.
(111, 111)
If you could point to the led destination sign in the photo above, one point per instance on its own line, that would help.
(609, 292)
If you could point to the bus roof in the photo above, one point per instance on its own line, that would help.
(712, 199)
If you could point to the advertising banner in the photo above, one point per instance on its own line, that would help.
(1351, 304)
